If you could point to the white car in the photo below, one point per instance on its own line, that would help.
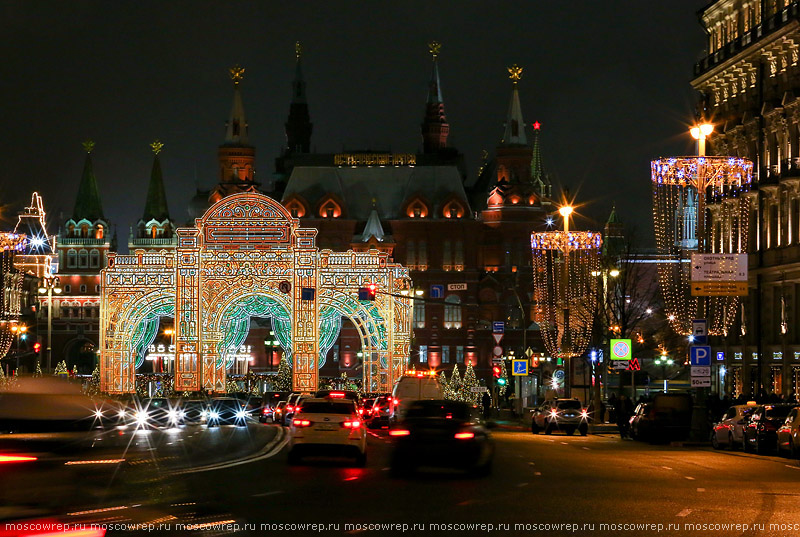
(327, 426)
(729, 431)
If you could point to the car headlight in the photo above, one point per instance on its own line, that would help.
(172, 415)
(141, 417)
(98, 414)
(213, 414)
(240, 415)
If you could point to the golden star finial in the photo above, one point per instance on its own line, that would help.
(298, 49)
(515, 73)
(434, 47)
(237, 74)
(156, 146)
(88, 146)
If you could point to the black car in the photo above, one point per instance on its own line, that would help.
(442, 433)
(380, 413)
(194, 411)
(160, 412)
(641, 421)
(761, 427)
(269, 401)
(226, 411)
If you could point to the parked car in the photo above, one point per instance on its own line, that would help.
(789, 434)
(641, 421)
(567, 415)
(671, 416)
(761, 429)
(441, 433)
(729, 431)
(413, 386)
(327, 426)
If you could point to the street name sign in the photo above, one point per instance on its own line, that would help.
(719, 274)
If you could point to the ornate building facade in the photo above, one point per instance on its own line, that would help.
(749, 84)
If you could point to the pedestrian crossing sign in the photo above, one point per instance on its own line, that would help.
(519, 367)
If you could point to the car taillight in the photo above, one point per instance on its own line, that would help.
(584, 413)
(288, 408)
(352, 424)
(301, 423)
(395, 401)
(553, 413)
(17, 458)
(464, 436)
(399, 432)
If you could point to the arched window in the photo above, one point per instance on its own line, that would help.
(447, 259)
(83, 259)
(94, 259)
(411, 255)
(422, 256)
(458, 256)
(68, 288)
(419, 314)
(83, 289)
(72, 259)
(99, 232)
(452, 311)
(84, 230)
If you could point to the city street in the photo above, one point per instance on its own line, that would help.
(241, 476)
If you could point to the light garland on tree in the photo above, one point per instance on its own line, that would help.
(470, 381)
(676, 180)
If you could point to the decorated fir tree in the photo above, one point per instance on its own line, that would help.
(231, 386)
(61, 368)
(94, 383)
(444, 385)
(283, 380)
(3, 378)
(470, 381)
(38, 372)
(455, 383)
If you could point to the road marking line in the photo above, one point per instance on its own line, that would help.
(353, 478)
(267, 493)
(792, 467)
(386, 469)
(523, 484)
(685, 512)
(564, 443)
(666, 468)
(269, 450)
(584, 447)
(537, 473)
(701, 490)
(690, 478)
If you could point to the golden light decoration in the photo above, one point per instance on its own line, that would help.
(237, 74)
(700, 204)
(88, 146)
(434, 47)
(515, 73)
(156, 146)
(298, 50)
(247, 256)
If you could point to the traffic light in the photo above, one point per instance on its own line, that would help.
(368, 292)
(496, 371)
(502, 381)
(37, 347)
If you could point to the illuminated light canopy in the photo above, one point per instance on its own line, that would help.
(677, 184)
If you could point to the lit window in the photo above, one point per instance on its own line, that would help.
(446, 354)
(452, 312)
(460, 354)
(419, 314)
(423, 354)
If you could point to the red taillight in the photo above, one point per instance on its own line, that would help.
(337, 395)
(288, 408)
(301, 423)
(352, 424)
(17, 458)
(465, 436)
(395, 401)
(399, 432)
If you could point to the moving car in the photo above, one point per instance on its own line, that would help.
(161, 412)
(226, 411)
(194, 411)
(365, 408)
(327, 426)
(269, 401)
(441, 433)
(414, 386)
(566, 415)
(291, 407)
(278, 412)
(761, 429)
(729, 431)
(671, 416)
(381, 412)
(789, 434)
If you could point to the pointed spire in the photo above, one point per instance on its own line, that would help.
(236, 128)
(515, 127)
(155, 207)
(537, 176)
(298, 124)
(87, 204)
(435, 128)
(613, 218)
(373, 227)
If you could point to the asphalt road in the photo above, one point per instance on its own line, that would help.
(600, 485)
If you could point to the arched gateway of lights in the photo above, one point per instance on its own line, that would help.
(683, 189)
(247, 256)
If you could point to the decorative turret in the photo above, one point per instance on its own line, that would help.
(87, 204)
(236, 156)
(614, 235)
(155, 230)
(515, 127)
(539, 180)
(298, 125)
(435, 127)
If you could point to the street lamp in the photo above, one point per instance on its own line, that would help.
(50, 285)
(18, 330)
(664, 361)
(171, 333)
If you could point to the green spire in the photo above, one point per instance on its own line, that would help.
(156, 205)
(613, 218)
(88, 205)
(537, 175)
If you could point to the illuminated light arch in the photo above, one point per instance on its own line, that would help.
(726, 183)
(248, 256)
(453, 208)
(297, 205)
(416, 207)
(331, 206)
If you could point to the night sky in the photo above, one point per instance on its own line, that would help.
(608, 80)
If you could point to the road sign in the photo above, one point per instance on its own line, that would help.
(719, 288)
(519, 367)
(701, 382)
(497, 338)
(437, 291)
(699, 327)
(700, 355)
(497, 360)
(633, 365)
(528, 352)
(498, 327)
(719, 268)
(497, 351)
(621, 349)
(456, 286)
(619, 364)
(478, 389)
(720, 356)
(701, 371)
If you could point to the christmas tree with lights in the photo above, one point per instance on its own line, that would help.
(61, 368)
(470, 381)
(455, 384)
(3, 378)
(38, 372)
(283, 380)
(94, 384)
(445, 385)
(503, 374)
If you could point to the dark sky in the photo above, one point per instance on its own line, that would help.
(608, 80)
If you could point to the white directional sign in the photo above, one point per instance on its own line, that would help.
(719, 267)
(701, 382)
(456, 286)
(478, 389)
(701, 371)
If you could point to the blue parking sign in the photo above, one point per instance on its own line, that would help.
(700, 355)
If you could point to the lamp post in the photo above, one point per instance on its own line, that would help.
(171, 333)
(50, 285)
(18, 330)
(699, 133)
(664, 361)
(566, 343)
